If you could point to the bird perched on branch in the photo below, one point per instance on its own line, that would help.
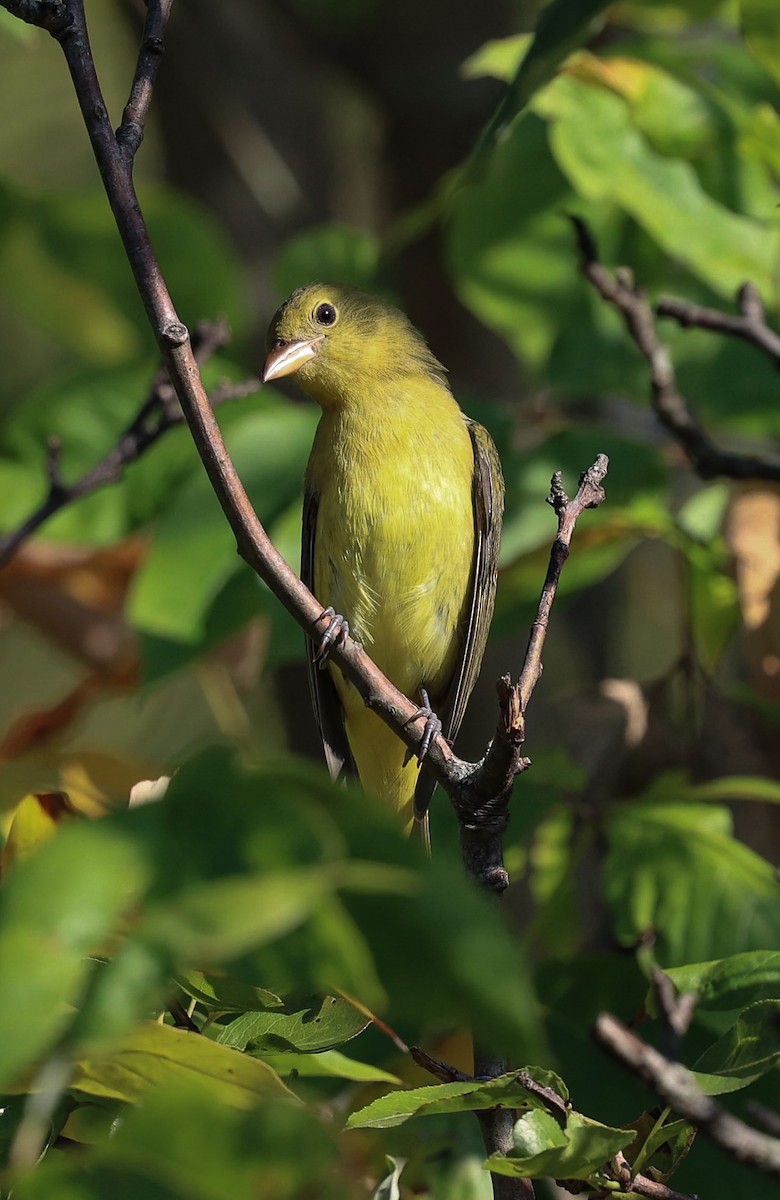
(401, 526)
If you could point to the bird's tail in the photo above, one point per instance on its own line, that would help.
(423, 823)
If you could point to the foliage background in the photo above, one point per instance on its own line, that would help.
(296, 140)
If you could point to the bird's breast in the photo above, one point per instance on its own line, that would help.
(394, 543)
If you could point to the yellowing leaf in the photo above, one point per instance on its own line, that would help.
(155, 1055)
(598, 146)
(34, 820)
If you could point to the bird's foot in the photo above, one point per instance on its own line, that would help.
(433, 726)
(335, 635)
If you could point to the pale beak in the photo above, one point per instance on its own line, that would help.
(287, 357)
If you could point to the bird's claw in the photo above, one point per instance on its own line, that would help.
(335, 635)
(433, 726)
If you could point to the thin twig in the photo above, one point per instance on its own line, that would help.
(765, 1116)
(130, 133)
(671, 407)
(677, 1011)
(643, 1185)
(159, 412)
(481, 799)
(749, 323)
(678, 1089)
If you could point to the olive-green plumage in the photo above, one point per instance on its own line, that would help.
(402, 519)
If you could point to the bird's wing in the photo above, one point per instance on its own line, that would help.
(324, 697)
(488, 497)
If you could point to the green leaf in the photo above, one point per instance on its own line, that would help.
(509, 248)
(499, 58)
(87, 412)
(223, 994)
(71, 309)
(56, 907)
(544, 1150)
(154, 1055)
(507, 1091)
(654, 95)
(606, 159)
(733, 788)
(329, 253)
(22, 487)
(749, 1049)
(660, 1144)
(714, 605)
(193, 551)
(185, 1143)
(761, 33)
(563, 26)
(701, 517)
(78, 230)
(674, 867)
(220, 920)
(319, 1026)
(239, 601)
(327, 1064)
(727, 983)
(468, 968)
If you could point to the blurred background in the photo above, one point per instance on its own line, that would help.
(304, 139)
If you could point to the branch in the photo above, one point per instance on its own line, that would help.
(671, 407)
(677, 1011)
(481, 798)
(158, 413)
(749, 325)
(678, 1089)
(480, 792)
(130, 133)
(643, 1185)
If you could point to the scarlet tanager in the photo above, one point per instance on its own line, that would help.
(401, 525)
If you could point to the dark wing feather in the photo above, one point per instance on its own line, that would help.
(324, 697)
(488, 495)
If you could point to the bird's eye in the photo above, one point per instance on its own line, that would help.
(325, 314)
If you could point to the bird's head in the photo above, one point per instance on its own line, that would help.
(340, 342)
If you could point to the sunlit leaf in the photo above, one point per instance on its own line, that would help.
(507, 1091)
(320, 1026)
(499, 58)
(543, 1149)
(749, 1049)
(327, 1064)
(563, 26)
(737, 787)
(155, 1055)
(223, 994)
(729, 983)
(605, 158)
(674, 867)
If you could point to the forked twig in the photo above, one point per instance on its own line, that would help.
(619, 289)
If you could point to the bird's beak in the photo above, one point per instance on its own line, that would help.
(287, 357)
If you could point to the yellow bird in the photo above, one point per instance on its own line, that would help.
(401, 526)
